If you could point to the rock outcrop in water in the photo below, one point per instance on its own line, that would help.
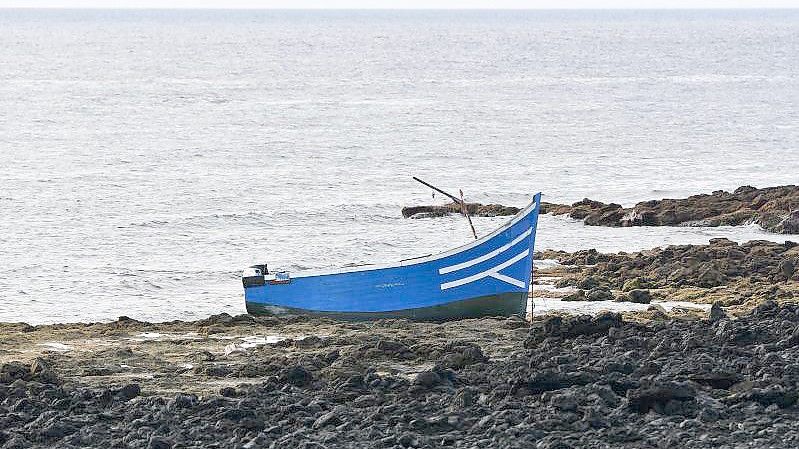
(734, 274)
(564, 383)
(474, 209)
(775, 209)
(718, 263)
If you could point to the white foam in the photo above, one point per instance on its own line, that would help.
(56, 347)
(254, 341)
(543, 264)
(544, 305)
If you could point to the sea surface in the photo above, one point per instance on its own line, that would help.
(146, 157)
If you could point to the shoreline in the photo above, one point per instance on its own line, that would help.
(578, 380)
(638, 378)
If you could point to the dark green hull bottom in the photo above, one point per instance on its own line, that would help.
(505, 304)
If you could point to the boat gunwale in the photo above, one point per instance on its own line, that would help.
(424, 259)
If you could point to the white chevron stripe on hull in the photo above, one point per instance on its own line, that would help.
(486, 256)
(492, 272)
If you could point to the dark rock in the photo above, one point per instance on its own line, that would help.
(599, 294)
(182, 401)
(564, 401)
(570, 327)
(717, 379)
(658, 396)
(474, 209)
(41, 371)
(710, 277)
(462, 356)
(296, 375)
(793, 340)
(588, 283)
(228, 392)
(633, 284)
(707, 266)
(774, 394)
(127, 392)
(12, 371)
(716, 312)
(766, 308)
(463, 399)
(636, 296)
(787, 268)
(391, 346)
(408, 440)
(57, 430)
(159, 443)
(328, 419)
(216, 370)
(770, 207)
(789, 225)
(311, 341)
(427, 379)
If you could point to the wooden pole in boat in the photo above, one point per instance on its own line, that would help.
(465, 211)
(453, 197)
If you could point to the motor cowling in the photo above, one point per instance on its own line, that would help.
(253, 276)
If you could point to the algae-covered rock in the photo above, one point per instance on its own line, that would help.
(637, 296)
(772, 208)
(599, 294)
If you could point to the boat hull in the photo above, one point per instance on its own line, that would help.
(488, 277)
(504, 304)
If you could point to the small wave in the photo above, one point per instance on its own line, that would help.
(197, 219)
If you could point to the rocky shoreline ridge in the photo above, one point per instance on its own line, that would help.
(653, 379)
(724, 272)
(775, 209)
(474, 209)
(582, 381)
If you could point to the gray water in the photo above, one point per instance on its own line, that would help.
(147, 156)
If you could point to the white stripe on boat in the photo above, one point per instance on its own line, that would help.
(420, 260)
(486, 256)
(492, 272)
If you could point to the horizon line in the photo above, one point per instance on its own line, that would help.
(201, 8)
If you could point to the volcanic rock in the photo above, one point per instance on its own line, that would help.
(637, 296)
(575, 382)
(474, 209)
(773, 208)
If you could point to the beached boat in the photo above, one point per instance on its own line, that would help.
(488, 277)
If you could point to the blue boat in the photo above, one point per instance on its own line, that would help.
(488, 277)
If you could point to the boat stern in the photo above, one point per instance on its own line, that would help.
(254, 276)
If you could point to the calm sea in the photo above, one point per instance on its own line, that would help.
(147, 156)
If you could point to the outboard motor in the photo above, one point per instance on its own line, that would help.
(253, 276)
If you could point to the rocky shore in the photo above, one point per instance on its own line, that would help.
(580, 381)
(737, 276)
(728, 378)
(775, 209)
